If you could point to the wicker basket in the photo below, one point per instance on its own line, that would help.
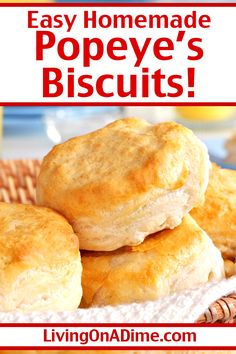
(17, 184)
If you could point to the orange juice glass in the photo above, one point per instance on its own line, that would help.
(206, 113)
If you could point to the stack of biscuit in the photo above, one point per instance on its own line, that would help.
(135, 201)
(127, 190)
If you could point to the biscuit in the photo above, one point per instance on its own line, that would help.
(40, 265)
(166, 262)
(121, 183)
(217, 216)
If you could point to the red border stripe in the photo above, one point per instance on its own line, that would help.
(119, 4)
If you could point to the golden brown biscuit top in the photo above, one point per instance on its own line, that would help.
(32, 237)
(217, 216)
(116, 163)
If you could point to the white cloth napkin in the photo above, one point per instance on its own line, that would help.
(185, 307)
